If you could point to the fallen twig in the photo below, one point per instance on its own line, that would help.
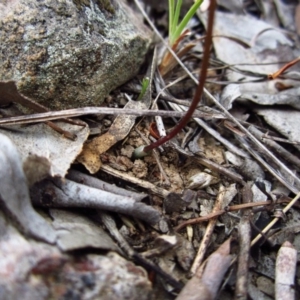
(102, 185)
(145, 184)
(223, 211)
(56, 193)
(241, 286)
(76, 112)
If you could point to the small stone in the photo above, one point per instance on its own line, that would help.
(67, 54)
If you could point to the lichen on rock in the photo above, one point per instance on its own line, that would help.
(66, 54)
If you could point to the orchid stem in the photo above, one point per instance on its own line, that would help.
(144, 150)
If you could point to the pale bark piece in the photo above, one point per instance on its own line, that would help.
(286, 264)
(14, 195)
(206, 285)
(70, 53)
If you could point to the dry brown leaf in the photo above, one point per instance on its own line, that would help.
(90, 156)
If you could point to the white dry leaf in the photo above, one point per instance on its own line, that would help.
(235, 92)
(234, 159)
(240, 30)
(266, 285)
(230, 193)
(41, 141)
(286, 121)
(286, 13)
(75, 231)
(201, 180)
(288, 97)
(255, 293)
(250, 45)
(269, 13)
(206, 207)
(266, 265)
(229, 94)
(258, 195)
(235, 6)
(14, 195)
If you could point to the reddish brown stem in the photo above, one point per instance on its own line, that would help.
(199, 90)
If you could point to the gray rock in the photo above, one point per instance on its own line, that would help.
(66, 54)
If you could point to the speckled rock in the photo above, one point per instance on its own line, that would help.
(66, 54)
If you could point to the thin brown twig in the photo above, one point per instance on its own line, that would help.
(76, 112)
(223, 211)
(274, 221)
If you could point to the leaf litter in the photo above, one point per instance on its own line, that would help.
(248, 51)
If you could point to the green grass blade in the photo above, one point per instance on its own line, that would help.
(176, 19)
(145, 84)
(186, 19)
(171, 19)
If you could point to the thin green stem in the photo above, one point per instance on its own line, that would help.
(199, 90)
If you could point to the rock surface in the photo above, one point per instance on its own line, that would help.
(32, 270)
(67, 54)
